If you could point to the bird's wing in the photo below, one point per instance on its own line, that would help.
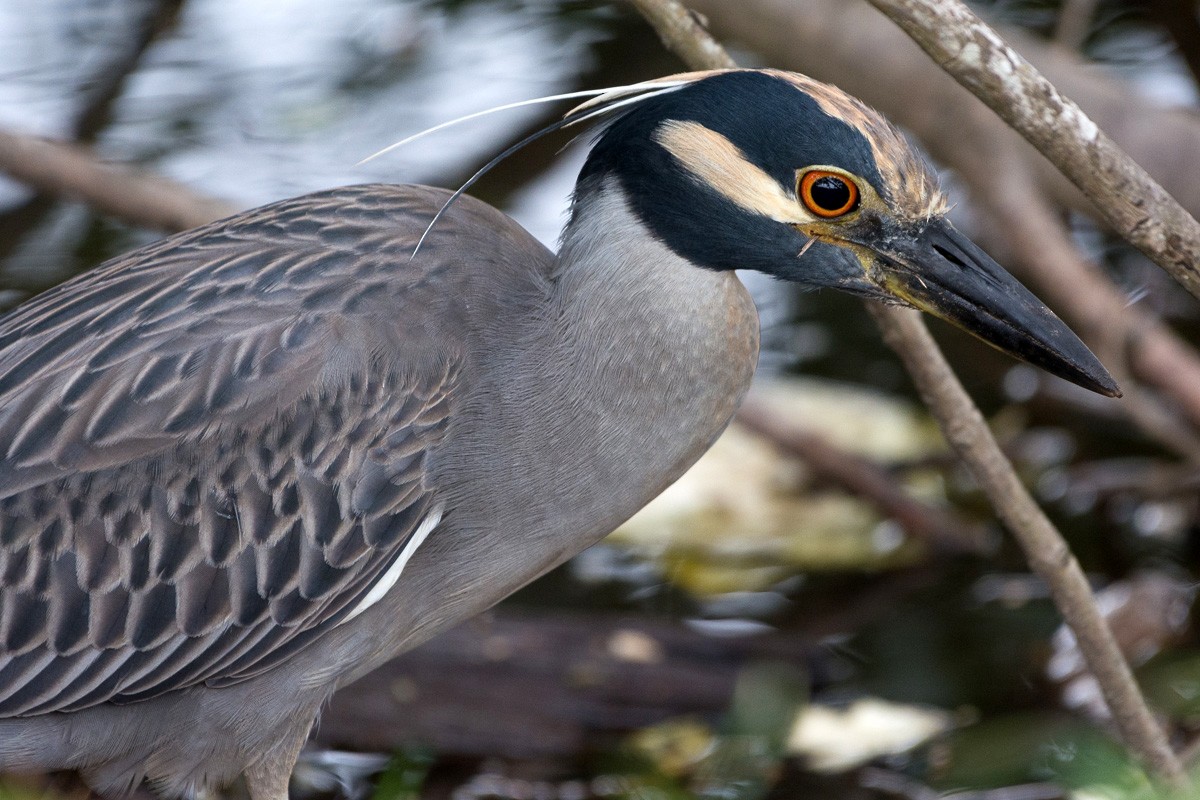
(211, 450)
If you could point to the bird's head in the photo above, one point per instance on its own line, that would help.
(776, 172)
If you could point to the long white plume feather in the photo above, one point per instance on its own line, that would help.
(477, 114)
(603, 101)
(600, 96)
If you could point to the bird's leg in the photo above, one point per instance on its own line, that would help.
(267, 778)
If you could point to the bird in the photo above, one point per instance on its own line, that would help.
(246, 464)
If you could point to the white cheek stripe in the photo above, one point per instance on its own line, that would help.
(720, 164)
(389, 578)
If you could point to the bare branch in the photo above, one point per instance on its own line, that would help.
(676, 26)
(1044, 547)
(867, 480)
(137, 197)
(104, 89)
(1130, 200)
(101, 93)
(964, 428)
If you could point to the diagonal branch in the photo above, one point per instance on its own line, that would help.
(120, 191)
(1047, 552)
(101, 93)
(965, 430)
(1130, 200)
(943, 531)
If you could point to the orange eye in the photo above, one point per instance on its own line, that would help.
(828, 194)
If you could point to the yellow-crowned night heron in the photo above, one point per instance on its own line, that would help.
(247, 464)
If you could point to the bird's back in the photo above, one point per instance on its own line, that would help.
(214, 446)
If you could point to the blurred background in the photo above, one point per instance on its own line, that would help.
(824, 607)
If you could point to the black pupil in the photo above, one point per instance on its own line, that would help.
(829, 193)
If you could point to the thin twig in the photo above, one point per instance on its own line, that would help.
(1074, 20)
(866, 479)
(1129, 199)
(1044, 547)
(964, 428)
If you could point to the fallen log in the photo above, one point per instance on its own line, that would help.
(535, 685)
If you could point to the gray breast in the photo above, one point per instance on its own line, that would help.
(588, 406)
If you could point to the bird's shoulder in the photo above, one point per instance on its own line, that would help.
(226, 324)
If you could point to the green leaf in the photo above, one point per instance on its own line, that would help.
(405, 775)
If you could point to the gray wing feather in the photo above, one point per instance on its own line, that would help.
(206, 458)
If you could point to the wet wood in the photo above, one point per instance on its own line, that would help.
(525, 685)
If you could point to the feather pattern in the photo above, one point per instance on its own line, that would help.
(205, 462)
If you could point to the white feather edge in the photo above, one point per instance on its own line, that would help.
(389, 578)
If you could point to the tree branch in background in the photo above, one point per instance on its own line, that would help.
(964, 428)
(102, 90)
(676, 27)
(107, 87)
(940, 529)
(1027, 234)
(1125, 194)
(1044, 547)
(137, 197)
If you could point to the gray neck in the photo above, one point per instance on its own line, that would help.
(636, 364)
(620, 378)
(644, 362)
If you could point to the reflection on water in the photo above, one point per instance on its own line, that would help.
(262, 100)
